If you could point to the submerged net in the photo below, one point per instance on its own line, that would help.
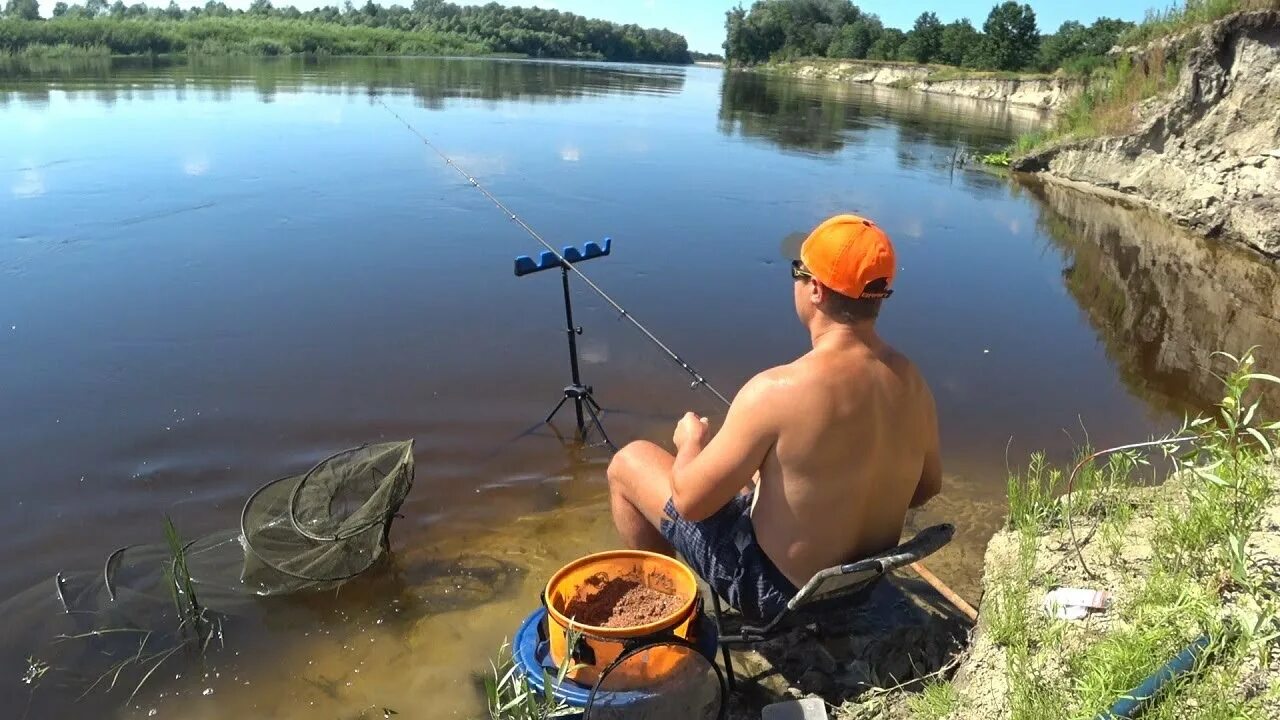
(328, 525)
(302, 533)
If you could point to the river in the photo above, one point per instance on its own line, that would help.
(215, 273)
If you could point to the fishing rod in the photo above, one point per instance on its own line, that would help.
(698, 379)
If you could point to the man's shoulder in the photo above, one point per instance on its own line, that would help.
(908, 373)
(782, 377)
(903, 365)
(771, 387)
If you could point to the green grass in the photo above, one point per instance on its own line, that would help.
(948, 72)
(1198, 580)
(934, 702)
(1008, 607)
(40, 51)
(1167, 613)
(937, 72)
(1193, 13)
(1109, 103)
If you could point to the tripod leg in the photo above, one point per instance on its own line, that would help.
(595, 418)
(559, 405)
(582, 425)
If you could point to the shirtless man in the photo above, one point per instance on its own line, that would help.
(845, 440)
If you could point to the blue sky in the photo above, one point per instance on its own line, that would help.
(702, 21)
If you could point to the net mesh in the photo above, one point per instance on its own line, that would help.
(302, 533)
(328, 525)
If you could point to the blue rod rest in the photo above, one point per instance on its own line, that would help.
(547, 260)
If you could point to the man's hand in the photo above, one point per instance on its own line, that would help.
(691, 431)
(709, 471)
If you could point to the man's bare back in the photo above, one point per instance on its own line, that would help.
(856, 446)
(843, 440)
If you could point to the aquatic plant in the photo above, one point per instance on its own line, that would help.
(509, 695)
(1000, 159)
(196, 628)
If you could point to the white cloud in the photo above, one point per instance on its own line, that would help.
(569, 153)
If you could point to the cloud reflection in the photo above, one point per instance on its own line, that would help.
(913, 228)
(30, 184)
(196, 165)
(479, 166)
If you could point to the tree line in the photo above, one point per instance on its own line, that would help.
(493, 28)
(1009, 39)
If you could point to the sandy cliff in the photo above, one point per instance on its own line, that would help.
(1208, 153)
(1038, 92)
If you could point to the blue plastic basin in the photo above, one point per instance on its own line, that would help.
(532, 657)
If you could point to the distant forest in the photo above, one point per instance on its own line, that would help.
(426, 27)
(1009, 40)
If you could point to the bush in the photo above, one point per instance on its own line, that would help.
(208, 35)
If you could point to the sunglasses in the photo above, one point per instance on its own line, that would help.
(798, 271)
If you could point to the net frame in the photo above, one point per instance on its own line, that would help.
(635, 647)
(382, 519)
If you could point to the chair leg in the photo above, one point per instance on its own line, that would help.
(730, 679)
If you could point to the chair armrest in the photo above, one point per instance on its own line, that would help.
(925, 543)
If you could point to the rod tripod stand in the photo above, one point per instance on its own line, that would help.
(586, 410)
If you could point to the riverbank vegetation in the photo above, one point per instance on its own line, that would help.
(1009, 40)
(428, 27)
(219, 35)
(1192, 558)
(1191, 14)
(1108, 105)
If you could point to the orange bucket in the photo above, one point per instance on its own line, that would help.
(603, 645)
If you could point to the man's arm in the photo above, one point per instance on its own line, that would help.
(931, 475)
(707, 475)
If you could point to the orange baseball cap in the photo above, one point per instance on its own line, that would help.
(852, 256)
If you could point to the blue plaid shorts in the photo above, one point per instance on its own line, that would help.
(723, 550)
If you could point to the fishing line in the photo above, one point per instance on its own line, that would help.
(698, 379)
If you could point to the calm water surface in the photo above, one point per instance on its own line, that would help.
(214, 275)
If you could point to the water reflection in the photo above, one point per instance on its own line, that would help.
(1161, 299)
(213, 291)
(825, 117)
(432, 81)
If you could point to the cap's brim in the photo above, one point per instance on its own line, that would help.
(790, 247)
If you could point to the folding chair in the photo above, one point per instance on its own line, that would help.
(837, 587)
